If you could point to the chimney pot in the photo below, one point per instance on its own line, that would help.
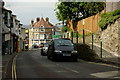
(32, 21)
(38, 19)
(47, 19)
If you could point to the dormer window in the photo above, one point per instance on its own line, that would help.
(42, 29)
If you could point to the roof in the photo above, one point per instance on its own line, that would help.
(5, 9)
(42, 22)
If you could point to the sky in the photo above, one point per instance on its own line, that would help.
(26, 10)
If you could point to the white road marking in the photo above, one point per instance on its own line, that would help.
(117, 77)
(105, 65)
(68, 68)
(108, 74)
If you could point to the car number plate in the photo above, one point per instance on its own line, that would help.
(66, 54)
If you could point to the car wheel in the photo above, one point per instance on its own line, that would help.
(41, 53)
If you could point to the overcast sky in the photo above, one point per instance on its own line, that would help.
(31, 9)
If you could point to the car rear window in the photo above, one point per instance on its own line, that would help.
(62, 42)
(46, 45)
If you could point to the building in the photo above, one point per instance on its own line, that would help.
(11, 32)
(1, 5)
(6, 32)
(26, 41)
(23, 35)
(40, 32)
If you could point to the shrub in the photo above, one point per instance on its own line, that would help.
(65, 29)
(117, 12)
(108, 18)
(85, 53)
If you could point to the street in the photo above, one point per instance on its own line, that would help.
(31, 64)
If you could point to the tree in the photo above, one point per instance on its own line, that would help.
(77, 10)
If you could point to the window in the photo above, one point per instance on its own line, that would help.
(37, 36)
(47, 36)
(42, 36)
(42, 29)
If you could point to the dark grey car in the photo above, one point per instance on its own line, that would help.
(62, 48)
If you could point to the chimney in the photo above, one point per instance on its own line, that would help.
(38, 19)
(32, 21)
(47, 19)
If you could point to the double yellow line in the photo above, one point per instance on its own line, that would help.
(14, 75)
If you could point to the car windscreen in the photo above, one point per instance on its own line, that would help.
(62, 42)
(46, 45)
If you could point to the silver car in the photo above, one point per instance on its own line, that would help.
(44, 49)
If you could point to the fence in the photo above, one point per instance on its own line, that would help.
(90, 40)
(90, 24)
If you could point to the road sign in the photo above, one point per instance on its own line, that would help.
(57, 36)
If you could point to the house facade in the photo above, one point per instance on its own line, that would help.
(11, 32)
(40, 32)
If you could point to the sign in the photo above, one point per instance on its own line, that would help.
(57, 36)
(7, 37)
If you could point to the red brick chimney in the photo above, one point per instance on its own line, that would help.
(47, 19)
(32, 21)
(37, 19)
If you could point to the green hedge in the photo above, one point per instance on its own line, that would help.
(108, 18)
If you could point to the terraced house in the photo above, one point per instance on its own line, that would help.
(12, 32)
(40, 32)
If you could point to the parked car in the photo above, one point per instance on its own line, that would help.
(35, 46)
(40, 45)
(44, 49)
(61, 48)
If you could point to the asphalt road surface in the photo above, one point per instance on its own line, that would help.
(31, 64)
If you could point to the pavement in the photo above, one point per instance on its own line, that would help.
(107, 56)
(6, 60)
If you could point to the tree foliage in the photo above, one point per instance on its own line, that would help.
(77, 10)
(65, 29)
(108, 18)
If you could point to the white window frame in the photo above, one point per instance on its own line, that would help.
(43, 36)
(42, 29)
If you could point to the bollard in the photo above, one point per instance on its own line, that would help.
(77, 37)
(92, 41)
(83, 36)
(101, 48)
(72, 36)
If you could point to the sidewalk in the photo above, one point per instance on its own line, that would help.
(107, 56)
(6, 59)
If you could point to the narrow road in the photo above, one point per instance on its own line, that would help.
(31, 64)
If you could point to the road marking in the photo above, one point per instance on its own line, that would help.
(105, 65)
(117, 77)
(109, 74)
(68, 68)
(14, 76)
